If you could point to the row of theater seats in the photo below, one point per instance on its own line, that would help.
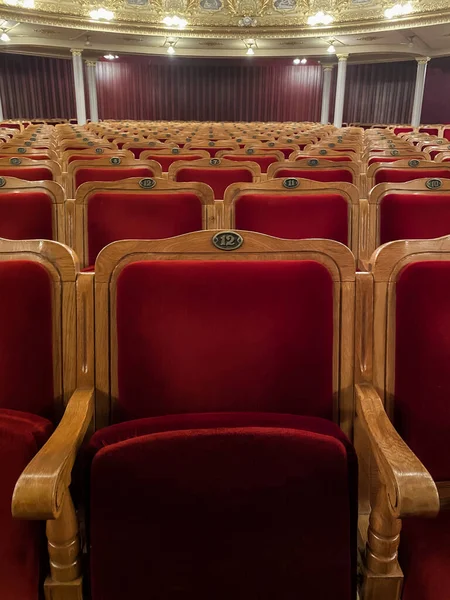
(232, 396)
(234, 381)
(152, 208)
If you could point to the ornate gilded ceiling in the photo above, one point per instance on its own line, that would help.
(230, 18)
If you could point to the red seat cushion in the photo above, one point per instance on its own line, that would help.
(318, 174)
(26, 366)
(425, 558)
(26, 215)
(115, 216)
(422, 363)
(224, 506)
(84, 174)
(294, 216)
(21, 542)
(31, 173)
(414, 216)
(271, 349)
(396, 175)
(262, 161)
(165, 160)
(218, 179)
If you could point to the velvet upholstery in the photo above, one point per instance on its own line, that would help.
(26, 215)
(26, 367)
(165, 160)
(414, 216)
(29, 173)
(21, 436)
(84, 157)
(397, 175)
(294, 216)
(218, 179)
(425, 557)
(385, 159)
(113, 216)
(271, 350)
(261, 160)
(398, 130)
(84, 174)
(318, 174)
(224, 509)
(32, 156)
(422, 359)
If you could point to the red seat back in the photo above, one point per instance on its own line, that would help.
(217, 178)
(318, 174)
(29, 173)
(402, 175)
(85, 174)
(26, 215)
(262, 161)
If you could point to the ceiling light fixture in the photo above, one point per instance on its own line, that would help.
(170, 50)
(101, 14)
(398, 10)
(250, 44)
(5, 37)
(320, 18)
(175, 22)
(303, 61)
(331, 49)
(296, 61)
(110, 56)
(250, 51)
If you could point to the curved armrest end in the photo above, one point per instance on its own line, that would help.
(410, 487)
(40, 490)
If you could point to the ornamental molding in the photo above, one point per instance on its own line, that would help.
(76, 52)
(423, 60)
(220, 18)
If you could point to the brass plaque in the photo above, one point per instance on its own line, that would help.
(227, 240)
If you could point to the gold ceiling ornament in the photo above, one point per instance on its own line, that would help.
(221, 18)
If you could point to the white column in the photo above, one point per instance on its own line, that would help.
(92, 88)
(79, 86)
(340, 90)
(418, 92)
(326, 89)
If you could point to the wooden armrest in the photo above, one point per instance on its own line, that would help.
(410, 488)
(40, 490)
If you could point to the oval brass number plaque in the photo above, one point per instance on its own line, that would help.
(148, 183)
(291, 183)
(227, 240)
(2, 181)
(115, 160)
(214, 161)
(313, 162)
(433, 184)
(413, 163)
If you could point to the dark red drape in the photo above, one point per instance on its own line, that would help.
(436, 105)
(36, 87)
(208, 89)
(379, 92)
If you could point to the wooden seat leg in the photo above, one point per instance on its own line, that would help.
(382, 575)
(65, 580)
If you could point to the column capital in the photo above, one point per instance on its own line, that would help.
(327, 67)
(422, 60)
(76, 51)
(342, 57)
(91, 63)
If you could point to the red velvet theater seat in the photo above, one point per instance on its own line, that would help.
(318, 174)
(26, 215)
(165, 160)
(26, 404)
(223, 506)
(29, 173)
(217, 178)
(114, 216)
(418, 215)
(94, 173)
(324, 215)
(423, 416)
(397, 175)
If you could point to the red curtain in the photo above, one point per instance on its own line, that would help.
(36, 87)
(435, 108)
(379, 92)
(208, 89)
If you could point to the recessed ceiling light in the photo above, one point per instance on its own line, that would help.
(101, 14)
(296, 61)
(175, 22)
(320, 18)
(398, 10)
(5, 37)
